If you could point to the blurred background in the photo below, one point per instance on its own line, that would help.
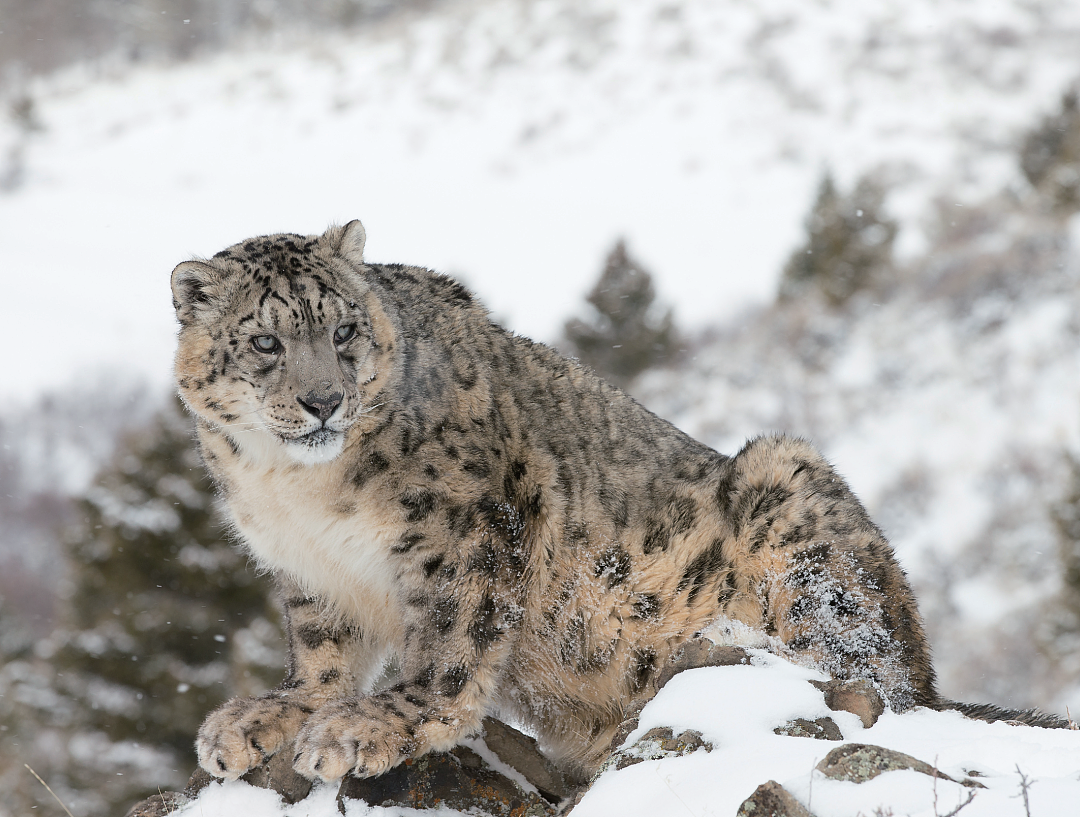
(855, 222)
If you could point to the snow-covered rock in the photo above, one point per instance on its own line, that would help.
(737, 711)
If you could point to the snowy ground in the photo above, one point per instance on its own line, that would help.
(510, 142)
(736, 710)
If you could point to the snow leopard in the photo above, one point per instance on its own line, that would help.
(512, 533)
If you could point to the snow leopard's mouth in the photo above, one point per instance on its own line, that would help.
(321, 445)
(317, 438)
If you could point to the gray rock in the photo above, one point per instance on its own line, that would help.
(858, 696)
(822, 729)
(656, 744)
(458, 779)
(859, 762)
(520, 752)
(159, 805)
(772, 800)
(277, 773)
(199, 780)
(700, 652)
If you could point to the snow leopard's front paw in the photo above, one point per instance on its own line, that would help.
(356, 736)
(242, 733)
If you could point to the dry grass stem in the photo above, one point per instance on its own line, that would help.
(1025, 784)
(48, 788)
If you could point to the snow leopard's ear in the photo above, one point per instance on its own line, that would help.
(351, 244)
(193, 285)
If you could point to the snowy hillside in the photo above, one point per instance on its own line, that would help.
(510, 142)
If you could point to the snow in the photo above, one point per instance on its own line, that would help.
(736, 709)
(511, 143)
(229, 798)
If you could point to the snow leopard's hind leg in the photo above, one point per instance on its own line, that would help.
(827, 582)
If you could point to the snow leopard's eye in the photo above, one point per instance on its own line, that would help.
(267, 344)
(345, 333)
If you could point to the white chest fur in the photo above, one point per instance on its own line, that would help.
(306, 522)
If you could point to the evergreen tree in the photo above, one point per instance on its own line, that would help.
(627, 333)
(1050, 157)
(164, 621)
(848, 245)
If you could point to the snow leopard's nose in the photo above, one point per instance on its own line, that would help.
(321, 406)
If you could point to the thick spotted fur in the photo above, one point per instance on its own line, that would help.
(517, 535)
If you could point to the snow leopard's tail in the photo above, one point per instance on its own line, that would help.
(991, 713)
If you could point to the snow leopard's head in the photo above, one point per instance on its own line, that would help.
(282, 343)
